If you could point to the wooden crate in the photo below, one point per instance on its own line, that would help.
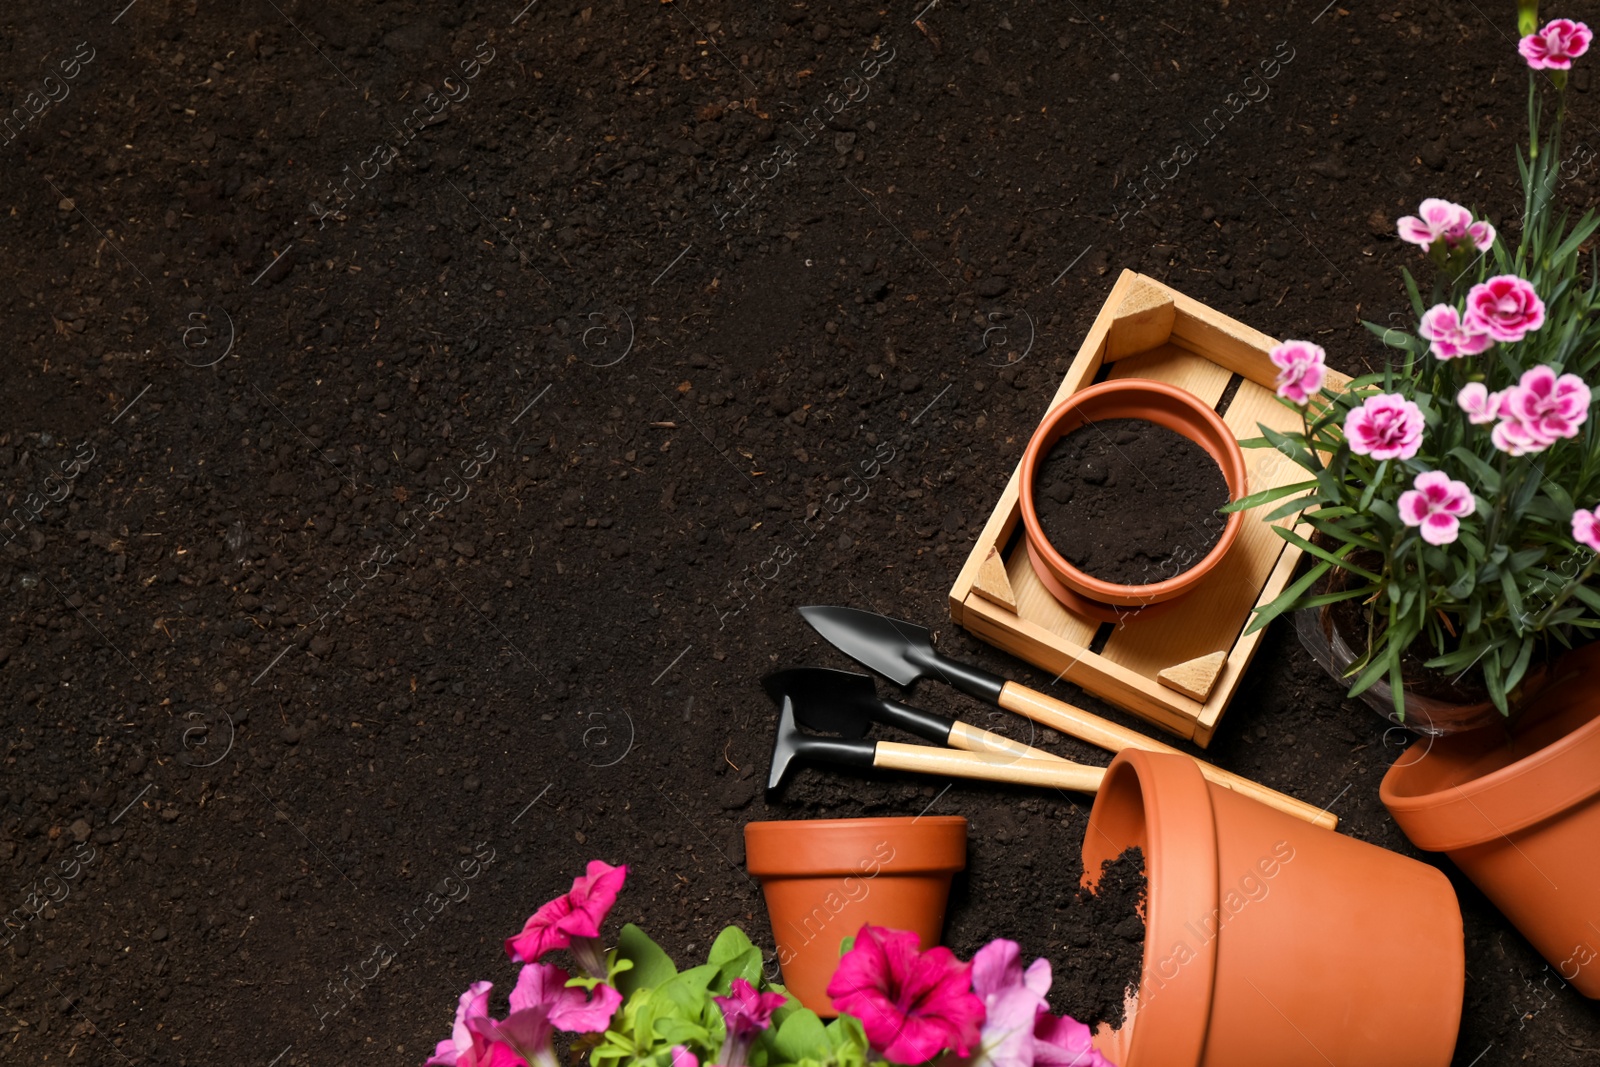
(1180, 668)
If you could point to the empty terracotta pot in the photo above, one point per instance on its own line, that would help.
(1270, 942)
(1520, 814)
(824, 878)
(1127, 398)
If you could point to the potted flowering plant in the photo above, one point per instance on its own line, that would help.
(632, 1005)
(1454, 494)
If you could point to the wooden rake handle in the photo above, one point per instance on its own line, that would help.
(975, 739)
(988, 766)
(1102, 733)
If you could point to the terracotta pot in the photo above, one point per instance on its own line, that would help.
(1270, 942)
(1520, 814)
(824, 878)
(1127, 398)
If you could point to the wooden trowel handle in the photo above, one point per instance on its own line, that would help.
(988, 766)
(974, 739)
(1102, 733)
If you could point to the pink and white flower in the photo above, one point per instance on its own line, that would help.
(1540, 410)
(1386, 426)
(1480, 405)
(1435, 220)
(1450, 337)
(1556, 45)
(1481, 234)
(1586, 528)
(1301, 370)
(1505, 307)
(1436, 504)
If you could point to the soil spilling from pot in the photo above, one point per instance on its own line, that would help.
(1130, 502)
(1092, 984)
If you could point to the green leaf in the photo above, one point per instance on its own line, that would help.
(801, 1036)
(734, 957)
(651, 965)
(1372, 486)
(1488, 478)
(1286, 599)
(1326, 556)
(1416, 296)
(1267, 496)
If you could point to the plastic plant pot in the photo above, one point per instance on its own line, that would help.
(1519, 813)
(824, 878)
(1270, 942)
(1127, 398)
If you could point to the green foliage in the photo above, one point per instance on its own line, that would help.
(1514, 581)
(664, 1007)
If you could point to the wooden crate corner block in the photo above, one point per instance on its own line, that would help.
(1180, 668)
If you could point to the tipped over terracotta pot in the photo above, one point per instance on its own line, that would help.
(1127, 398)
(1270, 942)
(1520, 814)
(824, 878)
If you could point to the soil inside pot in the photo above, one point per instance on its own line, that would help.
(1130, 502)
(1108, 954)
(1353, 620)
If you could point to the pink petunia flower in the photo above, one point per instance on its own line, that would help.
(1480, 405)
(1018, 1029)
(744, 1015)
(1012, 1001)
(912, 1004)
(1436, 503)
(1062, 1041)
(541, 1004)
(1586, 528)
(1386, 426)
(466, 1047)
(1540, 410)
(1556, 45)
(1505, 307)
(682, 1057)
(1435, 220)
(1450, 336)
(1301, 370)
(572, 920)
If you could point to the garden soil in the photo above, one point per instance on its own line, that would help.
(424, 419)
(1130, 502)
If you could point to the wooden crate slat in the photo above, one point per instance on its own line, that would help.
(1210, 618)
(1244, 649)
(1222, 340)
(1037, 605)
(1179, 367)
(1078, 665)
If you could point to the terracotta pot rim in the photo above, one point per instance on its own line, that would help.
(803, 848)
(1172, 1016)
(1520, 794)
(1111, 592)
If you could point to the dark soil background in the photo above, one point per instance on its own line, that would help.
(1129, 501)
(443, 529)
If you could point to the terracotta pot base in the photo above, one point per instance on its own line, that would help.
(824, 878)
